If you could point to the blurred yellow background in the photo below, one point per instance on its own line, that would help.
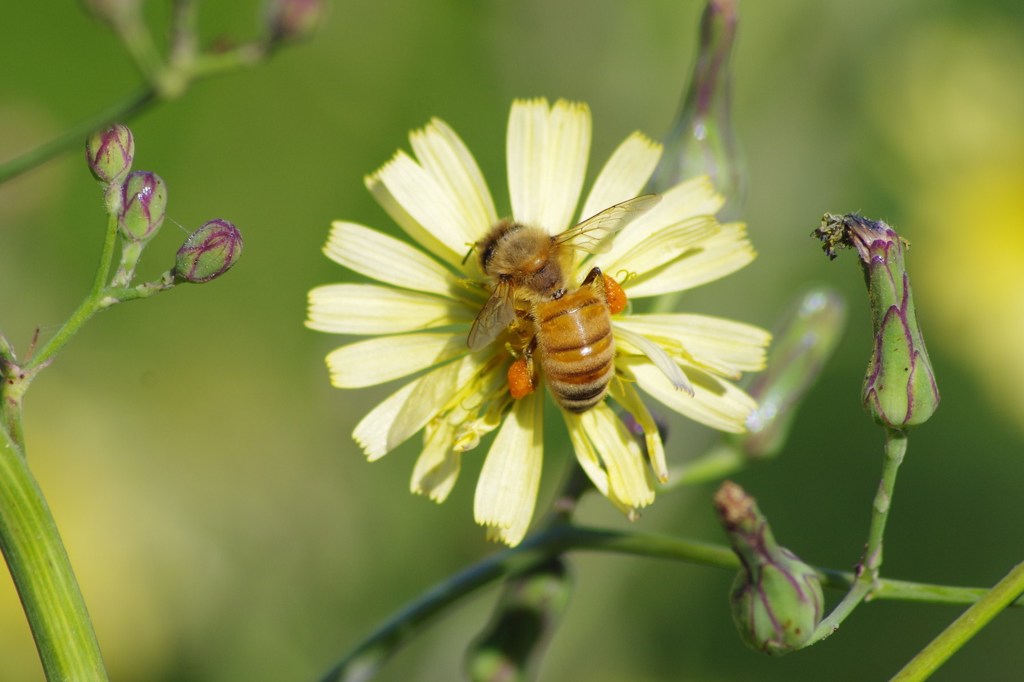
(222, 522)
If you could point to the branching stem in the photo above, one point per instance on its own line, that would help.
(867, 580)
(362, 661)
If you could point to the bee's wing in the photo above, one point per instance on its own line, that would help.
(593, 235)
(496, 315)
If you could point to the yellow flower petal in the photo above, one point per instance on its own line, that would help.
(721, 255)
(696, 196)
(599, 432)
(408, 409)
(386, 259)
(626, 395)
(659, 248)
(412, 227)
(507, 490)
(721, 346)
(437, 467)
(428, 202)
(547, 160)
(587, 456)
(715, 402)
(680, 203)
(624, 175)
(631, 343)
(445, 156)
(371, 309)
(375, 361)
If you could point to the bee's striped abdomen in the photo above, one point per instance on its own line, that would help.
(576, 347)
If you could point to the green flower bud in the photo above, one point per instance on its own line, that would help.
(776, 598)
(208, 252)
(527, 612)
(899, 386)
(293, 19)
(702, 140)
(803, 342)
(143, 205)
(109, 153)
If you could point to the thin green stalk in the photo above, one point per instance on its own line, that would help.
(112, 295)
(970, 622)
(135, 36)
(42, 574)
(184, 42)
(75, 136)
(867, 580)
(165, 82)
(361, 662)
(88, 307)
(895, 449)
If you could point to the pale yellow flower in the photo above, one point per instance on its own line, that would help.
(418, 317)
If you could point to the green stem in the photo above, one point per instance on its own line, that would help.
(964, 628)
(114, 295)
(895, 449)
(75, 136)
(164, 82)
(42, 574)
(244, 55)
(106, 257)
(868, 571)
(363, 660)
(135, 36)
(131, 252)
(93, 302)
(184, 43)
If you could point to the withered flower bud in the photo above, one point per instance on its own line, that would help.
(899, 386)
(776, 598)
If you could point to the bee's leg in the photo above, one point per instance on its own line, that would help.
(597, 282)
(595, 273)
(528, 355)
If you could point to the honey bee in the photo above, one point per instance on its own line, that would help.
(569, 329)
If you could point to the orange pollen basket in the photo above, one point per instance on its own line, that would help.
(520, 383)
(614, 294)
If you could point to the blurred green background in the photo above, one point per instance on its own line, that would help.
(222, 522)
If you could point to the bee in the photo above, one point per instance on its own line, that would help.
(569, 329)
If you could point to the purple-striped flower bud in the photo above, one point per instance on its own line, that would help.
(899, 386)
(293, 19)
(208, 252)
(110, 152)
(143, 206)
(776, 598)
